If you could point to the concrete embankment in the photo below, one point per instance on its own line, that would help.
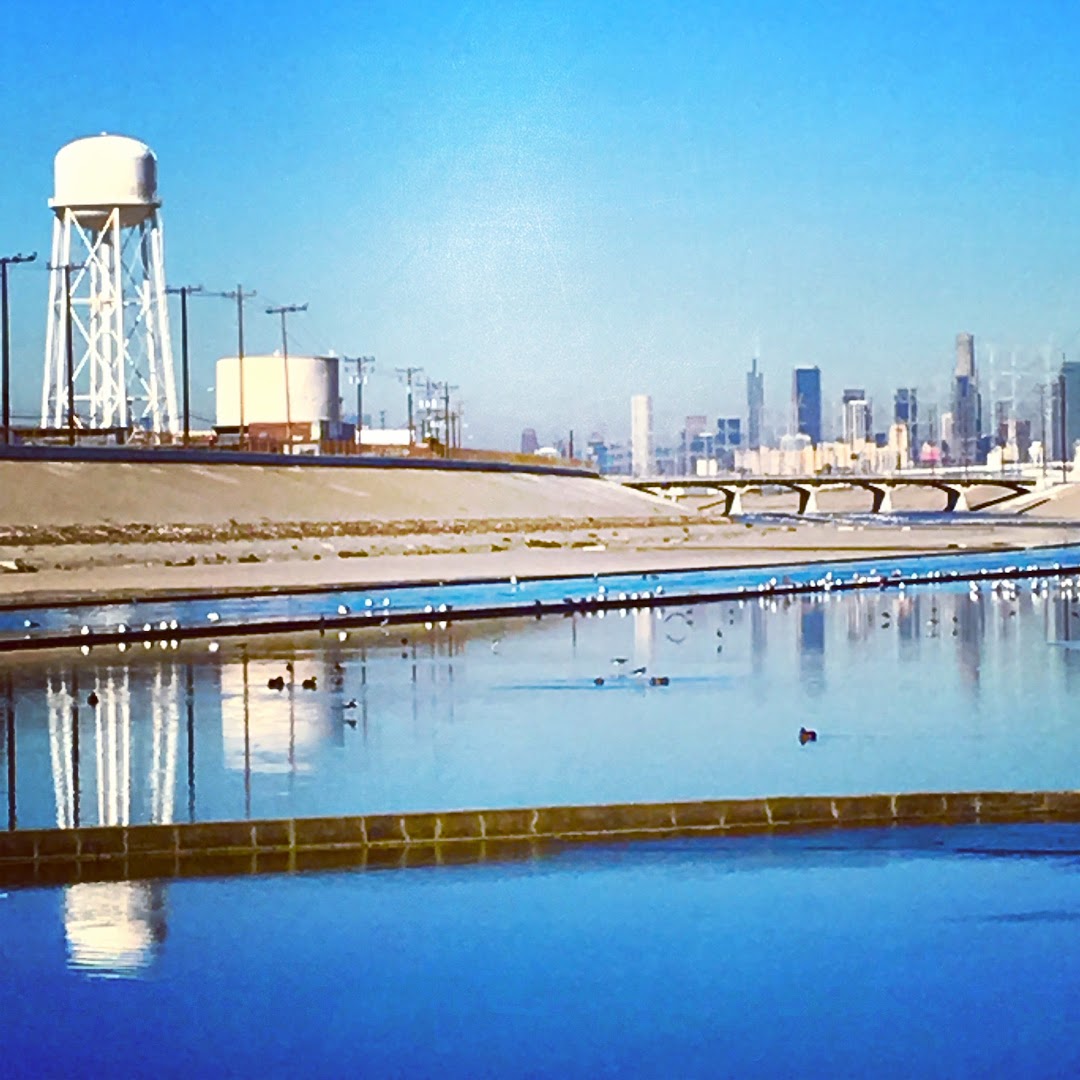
(64, 856)
(50, 500)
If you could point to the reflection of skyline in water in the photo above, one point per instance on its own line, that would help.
(508, 714)
(812, 642)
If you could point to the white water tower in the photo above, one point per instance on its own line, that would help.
(107, 234)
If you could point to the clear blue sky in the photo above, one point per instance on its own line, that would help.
(558, 205)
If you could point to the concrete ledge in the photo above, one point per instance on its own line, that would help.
(214, 848)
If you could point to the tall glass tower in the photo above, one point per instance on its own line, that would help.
(806, 402)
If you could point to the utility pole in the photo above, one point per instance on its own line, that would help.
(363, 363)
(447, 436)
(239, 296)
(5, 262)
(69, 352)
(409, 372)
(69, 348)
(285, 311)
(184, 291)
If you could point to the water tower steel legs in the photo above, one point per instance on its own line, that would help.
(123, 368)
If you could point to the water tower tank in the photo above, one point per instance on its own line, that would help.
(102, 172)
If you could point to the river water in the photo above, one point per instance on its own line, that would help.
(938, 687)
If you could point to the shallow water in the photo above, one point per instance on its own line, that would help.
(933, 688)
(895, 953)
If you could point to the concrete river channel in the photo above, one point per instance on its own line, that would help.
(466, 735)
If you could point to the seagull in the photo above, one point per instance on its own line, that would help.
(350, 704)
(618, 661)
(212, 616)
(30, 624)
(351, 721)
(638, 671)
(85, 630)
(343, 609)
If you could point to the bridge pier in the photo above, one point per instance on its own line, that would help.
(955, 498)
(882, 499)
(807, 499)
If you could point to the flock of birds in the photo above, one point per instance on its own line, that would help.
(1006, 589)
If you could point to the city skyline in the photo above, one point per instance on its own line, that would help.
(581, 203)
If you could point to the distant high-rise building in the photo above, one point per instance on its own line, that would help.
(806, 403)
(946, 431)
(529, 442)
(755, 405)
(694, 436)
(966, 405)
(965, 356)
(728, 440)
(906, 412)
(642, 458)
(729, 432)
(1065, 431)
(857, 418)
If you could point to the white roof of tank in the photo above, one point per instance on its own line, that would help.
(105, 170)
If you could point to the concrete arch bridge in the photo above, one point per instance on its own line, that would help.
(959, 492)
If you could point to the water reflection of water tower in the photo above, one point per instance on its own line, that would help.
(114, 929)
(276, 731)
(105, 769)
(107, 297)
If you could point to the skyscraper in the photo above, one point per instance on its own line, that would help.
(857, 417)
(529, 442)
(1065, 431)
(755, 405)
(967, 405)
(642, 458)
(965, 356)
(906, 412)
(806, 403)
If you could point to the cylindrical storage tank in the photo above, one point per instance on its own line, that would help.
(101, 172)
(313, 391)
